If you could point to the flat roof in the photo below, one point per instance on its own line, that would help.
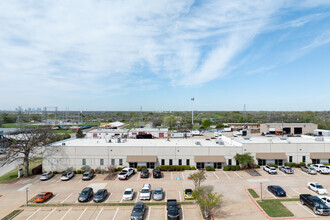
(104, 130)
(280, 140)
(292, 124)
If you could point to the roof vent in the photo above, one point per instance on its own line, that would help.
(319, 139)
(208, 138)
(246, 138)
(63, 144)
(283, 138)
(198, 143)
(220, 142)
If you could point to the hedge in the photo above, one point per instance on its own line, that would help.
(232, 168)
(273, 165)
(210, 169)
(175, 167)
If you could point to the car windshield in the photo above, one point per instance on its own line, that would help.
(127, 192)
(45, 174)
(172, 208)
(84, 193)
(158, 192)
(40, 195)
(321, 166)
(137, 210)
(188, 191)
(273, 168)
(311, 168)
(319, 187)
(64, 174)
(99, 193)
(145, 190)
(124, 171)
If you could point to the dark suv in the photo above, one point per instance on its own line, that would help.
(86, 194)
(172, 209)
(157, 173)
(144, 173)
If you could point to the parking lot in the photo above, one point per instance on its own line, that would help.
(232, 185)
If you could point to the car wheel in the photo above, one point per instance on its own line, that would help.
(314, 209)
(302, 202)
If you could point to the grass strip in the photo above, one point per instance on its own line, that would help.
(103, 204)
(253, 193)
(274, 208)
(12, 214)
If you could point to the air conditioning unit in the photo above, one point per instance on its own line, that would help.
(63, 144)
(246, 138)
(284, 138)
(198, 143)
(319, 139)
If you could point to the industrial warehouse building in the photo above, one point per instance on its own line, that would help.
(128, 133)
(101, 153)
(288, 128)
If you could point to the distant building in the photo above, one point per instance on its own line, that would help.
(252, 127)
(320, 132)
(288, 128)
(128, 133)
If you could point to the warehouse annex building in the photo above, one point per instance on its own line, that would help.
(102, 153)
(288, 128)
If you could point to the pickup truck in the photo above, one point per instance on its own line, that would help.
(172, 209)
(145, 193)
(314, 203)
(321, 168)
(125, 173)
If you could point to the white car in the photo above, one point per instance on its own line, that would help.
(317, 188)
(67, 176)
(46, 176)
(321, 168)
(270, 170)
(326, 200)
(125, 173)
(128, 194)
(145, 193)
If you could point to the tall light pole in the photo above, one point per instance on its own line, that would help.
(27, 196)
(261, 191)
(192, 111)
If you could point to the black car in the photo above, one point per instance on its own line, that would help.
(277, 191)
(157, 173)
(315, 203)
(86, 194)
(144, 173)
(138, 211)
(172, 209)
(100, 195)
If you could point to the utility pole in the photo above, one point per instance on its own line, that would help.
(261, 191)
(27, 196)
(192, 111)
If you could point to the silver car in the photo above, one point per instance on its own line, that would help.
(158, 194)
(46, 176)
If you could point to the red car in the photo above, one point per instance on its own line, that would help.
(42, 197)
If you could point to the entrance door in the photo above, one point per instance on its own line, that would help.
(261, 162)
(217, 165)
(315, 161)
(200, 165)
(132, 165)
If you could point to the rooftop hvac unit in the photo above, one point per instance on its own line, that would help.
(246, 138)
(208, 138)
(220, 142)
(198, 143)
(283, 138)
(63, 144)
(319, 139)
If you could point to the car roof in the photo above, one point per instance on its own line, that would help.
(159, 189)
(87, 188)
(146, 185)
(188, 190)
(128, 189)
(139, 204)
(101, 190)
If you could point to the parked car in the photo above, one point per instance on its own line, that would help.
(67, 176)
(172, 209)
(158, 194)
(125, 173)
(144, 173)
(138, 211)
(43, 197)
(46, 176)
(88, 175)
(317, 188)
(277, 190)
(128, 194)
(315, 203)
(286, 169)
(321, 168)
(157, 173)
(2, 151)
(188, 194)
(145, 192)
(326, 200)
(271, 170)
(309, 170)
(86, 194)
(100, 195)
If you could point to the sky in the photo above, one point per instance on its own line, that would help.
(120, 55)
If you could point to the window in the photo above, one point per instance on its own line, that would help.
(180, 161)
(304, 159)
(112, 162)
(171, 162)
(187, 162)
(132, 165)
(120, 162)
(261, 162)
(200, 165)
(229, 161)
(315, 161)
(290, 159)
(217, 165)
(83, 162)
(102, 162)
(279, 162)
(163, 162)
(237, 163)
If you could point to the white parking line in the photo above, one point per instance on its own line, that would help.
(49, 214)
(271, 194)
(26, 181)
(82, 214)
(58, 180)
(149, 212)
(66, 213)
(182, 213)
(237, 174)
(171, 176)
(216, 175)
(37, 181)
(99, 214)
(67, 198)
(80, 181)
(165, 196)
(182, 176)
(180, 196)
(52, 198)
(33, 214)
(108, 197)
(295, 190)
(137, 196)
(114, 217)
(226, 174)
(306, 209)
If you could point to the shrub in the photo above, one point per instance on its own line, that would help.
(55, 172)
(175, 167)
(157, 168)
(302, 164)
(326, 164)
(292, 164)
(120, 168)
(112, 169)
(286, 164)
(75, 172)
(210, 169)
(79, 171)
(231, 168)
(85, 168)
(309, 164)
(258, 166)
(272, 165)
(193, 168)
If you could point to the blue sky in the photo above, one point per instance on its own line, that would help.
(120, 55)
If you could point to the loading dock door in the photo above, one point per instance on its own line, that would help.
(297, 130)
(287, 130)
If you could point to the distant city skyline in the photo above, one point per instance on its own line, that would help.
(120, 55)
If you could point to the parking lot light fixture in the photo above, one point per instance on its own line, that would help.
(27, 196)
(261, 191)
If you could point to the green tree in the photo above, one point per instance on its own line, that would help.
(220, 125)
(80, 134)
(170, 121)
(197, 178)
(207, 199)
(244, 159)
(206, 123)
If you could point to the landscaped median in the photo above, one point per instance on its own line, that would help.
(273, 207)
